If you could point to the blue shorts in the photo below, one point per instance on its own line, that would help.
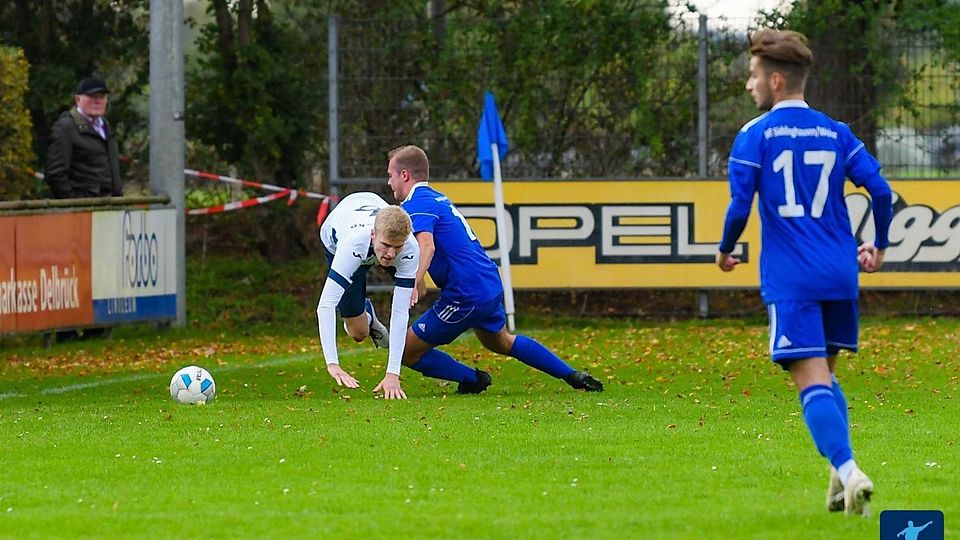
(446, 320)
(807, 329)
(353, 301)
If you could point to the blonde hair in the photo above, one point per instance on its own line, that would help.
(785, 52)
(413, 159)
(393, 223)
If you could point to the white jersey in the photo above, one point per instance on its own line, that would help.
(347, 235)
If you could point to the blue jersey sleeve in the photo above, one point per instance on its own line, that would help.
(864, 171)
(744, 173)
(860, 164)
(424, 217)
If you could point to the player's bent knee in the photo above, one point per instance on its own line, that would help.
(500, 342)
(357, 333)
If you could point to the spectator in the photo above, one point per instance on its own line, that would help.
(83, 159)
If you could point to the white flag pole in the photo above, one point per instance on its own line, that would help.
(502, 238)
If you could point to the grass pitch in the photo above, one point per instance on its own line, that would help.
(697, 436)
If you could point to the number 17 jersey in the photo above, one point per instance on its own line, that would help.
(797, 160)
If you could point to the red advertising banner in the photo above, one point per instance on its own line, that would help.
(53, 275)
(8, 281)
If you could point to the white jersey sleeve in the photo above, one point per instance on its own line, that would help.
(399, 316)
(327, 319)
(404, 282)
(346, 261)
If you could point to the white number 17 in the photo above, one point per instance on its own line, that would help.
(784, 162)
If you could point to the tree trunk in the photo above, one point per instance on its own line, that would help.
(225, 34)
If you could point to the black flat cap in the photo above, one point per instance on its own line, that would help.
(91, 85)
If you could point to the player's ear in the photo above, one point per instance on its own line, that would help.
(777, 81)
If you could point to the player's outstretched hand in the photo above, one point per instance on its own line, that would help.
(726, 261)
(419, 290)
(391, 387)
(869, 257)
(342, 377)
(415, 297)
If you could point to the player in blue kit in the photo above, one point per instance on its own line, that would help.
(471, 293)
(797, 159)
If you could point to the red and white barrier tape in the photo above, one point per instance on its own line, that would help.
(246, 203)
(250, 183)
(281, 192)
(294, 193)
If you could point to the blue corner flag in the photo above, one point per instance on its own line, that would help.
(490, 132)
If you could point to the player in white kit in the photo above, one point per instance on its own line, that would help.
(361, 231)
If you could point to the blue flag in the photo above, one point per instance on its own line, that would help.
(490, 131)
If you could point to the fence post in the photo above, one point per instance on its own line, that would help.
(703, 149)
(333, 100)
(166, 125)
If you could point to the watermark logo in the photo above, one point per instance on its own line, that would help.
(140, 254)
(911, 525)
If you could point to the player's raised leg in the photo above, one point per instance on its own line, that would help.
(829, 430)
(835, 490)
(366, 324)
(377, 330)
(534, 354)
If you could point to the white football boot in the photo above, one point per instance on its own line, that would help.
(835, 492)
(857, 494)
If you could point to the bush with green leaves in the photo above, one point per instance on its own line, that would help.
(16, 154)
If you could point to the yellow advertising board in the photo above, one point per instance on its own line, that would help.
(664, 233)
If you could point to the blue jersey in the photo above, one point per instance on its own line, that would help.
(460, 266)
(797, 159)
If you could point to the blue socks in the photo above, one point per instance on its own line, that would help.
(535, 355)
(440, 365)
(841, 400)
(826, 424)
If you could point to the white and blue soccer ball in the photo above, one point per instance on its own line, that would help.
(193, 384)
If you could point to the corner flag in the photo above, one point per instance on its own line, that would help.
(490, 132)
(491, 146)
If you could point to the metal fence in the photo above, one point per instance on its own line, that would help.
(668, 106)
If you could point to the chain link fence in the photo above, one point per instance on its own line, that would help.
(627, 105)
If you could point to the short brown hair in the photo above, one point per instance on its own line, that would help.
(414, 160)
(785, 52)
(393, 223)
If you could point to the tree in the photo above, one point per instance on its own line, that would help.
(66, 40)
(860, 73)
(576, 83)
(256, 89)
(255, 95)
(16, 156)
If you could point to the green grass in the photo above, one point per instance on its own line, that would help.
(697, 436)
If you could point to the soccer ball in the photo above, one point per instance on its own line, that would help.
(193, 384)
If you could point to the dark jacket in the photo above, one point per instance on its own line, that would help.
(79, 162)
